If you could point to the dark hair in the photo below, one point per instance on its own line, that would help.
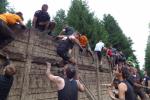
(125, 72)
(20, 15)
(44, 7)
(70, 71)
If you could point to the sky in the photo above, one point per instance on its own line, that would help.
(133, 16)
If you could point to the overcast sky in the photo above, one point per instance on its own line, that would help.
(133, 16)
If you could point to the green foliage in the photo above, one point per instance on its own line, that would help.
(107, 30)
(3, 5)
(83, 20)
(60, 19)
(147, 56)
(29, 23)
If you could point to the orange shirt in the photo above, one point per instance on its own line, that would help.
(10, 18)
(83, 40)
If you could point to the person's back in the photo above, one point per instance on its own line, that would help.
(5, 85)
(70, 90)
(67, 88)
(129, 94)
(83, 41)
(10, 18)
(66, 44)
(99, 46)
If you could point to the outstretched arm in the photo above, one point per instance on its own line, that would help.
(51, 77)
(77, 42)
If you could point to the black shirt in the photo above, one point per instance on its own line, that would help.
(5, 85)
(42, 16)
(65, 45)
(70, 91)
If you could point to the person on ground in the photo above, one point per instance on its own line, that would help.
(6, 81)
(146, 82)
(6, 34)
(41, 20)
(126, 91)
(139, 91)
(98, 49)
(67, 87)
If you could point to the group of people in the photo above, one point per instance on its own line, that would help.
(68, 86)
(127, 79)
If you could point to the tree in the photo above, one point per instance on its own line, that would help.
(60, 19)
(83, 20)
(147, 56)
(3, 5)
(29, 23)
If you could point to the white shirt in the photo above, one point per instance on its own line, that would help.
(99, 46)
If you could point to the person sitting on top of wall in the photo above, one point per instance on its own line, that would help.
(41, 20)
(6, 34)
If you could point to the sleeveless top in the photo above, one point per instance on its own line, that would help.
(129, 94)
(70, 91)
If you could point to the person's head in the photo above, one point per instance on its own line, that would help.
(44, 7)
(70, 71)
(76, 34)
(100, 40)
(20, 15)
(10, 70)
(121, 72)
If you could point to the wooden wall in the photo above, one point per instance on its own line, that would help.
(29, 52)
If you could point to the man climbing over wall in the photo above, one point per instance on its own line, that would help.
(6, 34)
(41, 20)
(67, 87)
(6, 81)
(98, 49)
(65, 47)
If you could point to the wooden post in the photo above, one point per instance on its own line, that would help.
(25, 85)
(97, 74)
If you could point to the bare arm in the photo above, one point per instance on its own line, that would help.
(77, 42)
(80, 86)
(122, 89)
(51, 77)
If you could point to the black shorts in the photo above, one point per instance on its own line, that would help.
(63, 54)
(99, 54)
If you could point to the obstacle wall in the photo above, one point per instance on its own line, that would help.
(29, 52)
